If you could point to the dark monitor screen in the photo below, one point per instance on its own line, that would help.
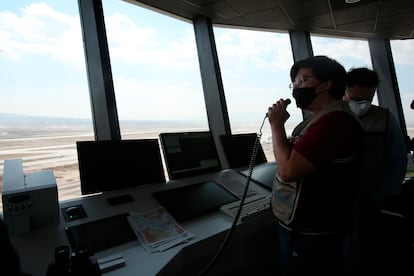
(238, 149)
(94, 234)
(189, 153)
(188, 202)
(114, 165)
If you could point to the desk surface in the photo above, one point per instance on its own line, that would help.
(36, 248)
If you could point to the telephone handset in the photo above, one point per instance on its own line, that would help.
(287, 102)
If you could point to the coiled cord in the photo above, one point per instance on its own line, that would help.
(243, 198)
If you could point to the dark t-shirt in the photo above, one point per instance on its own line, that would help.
(335, 135)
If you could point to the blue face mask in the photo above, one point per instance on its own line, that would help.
(304, 96)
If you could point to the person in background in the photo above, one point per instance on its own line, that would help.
(384, 163)
(316, 182)
(386, 150)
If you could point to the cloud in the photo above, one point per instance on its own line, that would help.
(39, 30)
(263, 50)
(128, 42)
(341, 49)
(152, 101)
(402, 51)
(252, 62)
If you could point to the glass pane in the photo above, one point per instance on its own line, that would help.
(155, 71)
(351, 53)
(255, 68)
(402, 52)
(44, 97)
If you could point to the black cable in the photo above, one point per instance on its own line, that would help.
(236, 218)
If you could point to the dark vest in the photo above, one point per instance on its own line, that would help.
(311, 203)
(375, 123)
(367, 211)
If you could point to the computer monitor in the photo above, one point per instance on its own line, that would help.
(189, 154)
(114, 165)
(238, 149)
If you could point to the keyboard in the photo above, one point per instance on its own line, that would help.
(253, 206)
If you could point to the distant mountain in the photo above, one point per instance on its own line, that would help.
(20, 120)
(10, 120)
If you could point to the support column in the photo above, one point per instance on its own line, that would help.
(215, 101)
(301, 45)
(388, 91)
(101, 88)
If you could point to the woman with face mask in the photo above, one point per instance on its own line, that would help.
(385, 159)
(314, 188)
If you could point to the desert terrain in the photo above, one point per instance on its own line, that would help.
(55, 149)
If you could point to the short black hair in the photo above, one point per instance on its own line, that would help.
(363, 77)
(324, 68)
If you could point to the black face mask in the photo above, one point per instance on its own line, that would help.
(304, 96)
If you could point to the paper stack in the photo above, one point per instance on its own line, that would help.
(157, 230)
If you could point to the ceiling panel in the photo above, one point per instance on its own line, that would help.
(359, 15)
(247, 7)
(393, 19)
(270, 16)
(221, 9)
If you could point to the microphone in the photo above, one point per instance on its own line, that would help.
(286, 101)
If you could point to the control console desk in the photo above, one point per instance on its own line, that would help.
(253, 242)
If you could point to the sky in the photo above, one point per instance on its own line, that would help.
(154, 64)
